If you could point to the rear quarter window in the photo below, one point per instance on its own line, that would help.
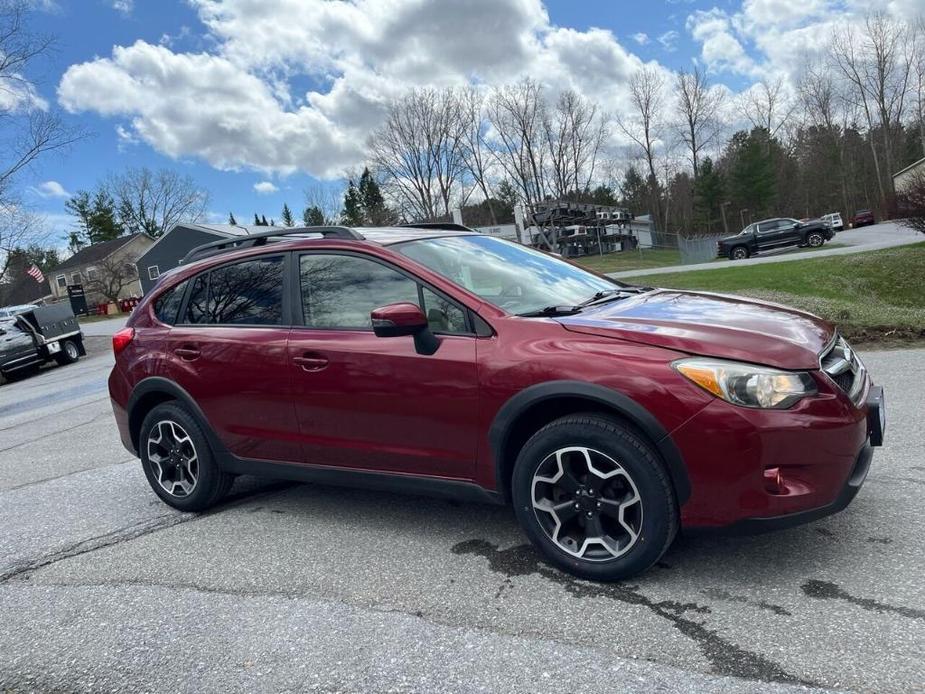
(167, 305)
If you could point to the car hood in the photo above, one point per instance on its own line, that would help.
(714, 325)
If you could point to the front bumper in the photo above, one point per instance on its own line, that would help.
(752, 526)
(822, 448)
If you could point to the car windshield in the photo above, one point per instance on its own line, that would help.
(513, 277)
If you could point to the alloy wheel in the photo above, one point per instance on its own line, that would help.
(173, 458)
(70, 349)
(740, 254)
(815, 240)
(587, 503)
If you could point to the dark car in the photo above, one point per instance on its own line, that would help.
(36, 335)
(771, 234)
(863, 218)
(442, 361)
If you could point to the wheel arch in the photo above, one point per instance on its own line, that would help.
(530, 409)
(156, 390)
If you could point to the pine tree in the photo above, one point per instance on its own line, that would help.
(751, 175)
(352, 214)
(286, 216)
(371, 200)
(708, 195)
(633, 192)
(313, 216)
(256, 220)
(231, 220)
(96, 218)
(263, 221)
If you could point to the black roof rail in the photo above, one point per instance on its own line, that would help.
(443, 226)
(250, 240)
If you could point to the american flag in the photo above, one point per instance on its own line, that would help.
(35, 274)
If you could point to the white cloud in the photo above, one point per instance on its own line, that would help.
(669, 40)
(642, 38)
(123, 6)
(265, 188)
(51, 189)
(720, 48)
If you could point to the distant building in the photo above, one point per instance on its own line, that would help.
(903, 178)
(167, 252)
(87, 265)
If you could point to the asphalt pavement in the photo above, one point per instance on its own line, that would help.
(317, 588)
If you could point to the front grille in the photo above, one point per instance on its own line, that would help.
(841, 364)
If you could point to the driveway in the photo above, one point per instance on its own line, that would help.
(310, 587)
(103, 328)
(884, 235)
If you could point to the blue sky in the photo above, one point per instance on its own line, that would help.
(278, 94)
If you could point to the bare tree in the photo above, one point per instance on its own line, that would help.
(826, 108)
(419, 151)
(877, 62)
(647, 125)
(476, 153)
(575, 132)
(517, 114)
(111, 275)
(19, 228)
(154, 201)
(327, 200)
(28, 128)
(698, 109)
(766, 106)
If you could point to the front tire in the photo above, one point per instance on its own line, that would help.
(739, 253)
(178, 461)
(594, 498)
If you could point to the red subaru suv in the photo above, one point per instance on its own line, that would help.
(434, 359)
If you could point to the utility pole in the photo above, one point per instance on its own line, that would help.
(722, 211)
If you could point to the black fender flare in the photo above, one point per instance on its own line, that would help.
(164, 386)
(620, 403)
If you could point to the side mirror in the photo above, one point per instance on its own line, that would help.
(396, 320)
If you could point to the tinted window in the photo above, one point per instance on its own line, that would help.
(339, 291)
(168, 303)
(248, 293)
(197, 306)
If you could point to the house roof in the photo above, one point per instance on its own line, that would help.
(913, 165)
(220, 230)
(96, 252)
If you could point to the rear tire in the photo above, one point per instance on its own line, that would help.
(594, 498)
(178, 461)
(68, 354)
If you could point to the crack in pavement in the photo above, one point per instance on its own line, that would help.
(33, 441)
(3, 490)
(826, 590)
(133, 532)
(725, 657)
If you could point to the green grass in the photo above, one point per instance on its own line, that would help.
(631, 260)
(871, 296)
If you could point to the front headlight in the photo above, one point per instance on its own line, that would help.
(746, 384)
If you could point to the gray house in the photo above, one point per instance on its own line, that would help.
(170, 248)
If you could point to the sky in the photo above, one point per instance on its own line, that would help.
(258, 100)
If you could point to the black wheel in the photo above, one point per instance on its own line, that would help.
(178, 461)
(68, 354)
(594, 498)
(738, 253)
(815, 240)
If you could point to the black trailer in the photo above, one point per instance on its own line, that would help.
(37, 336)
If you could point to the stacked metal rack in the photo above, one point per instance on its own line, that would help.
(575, 229)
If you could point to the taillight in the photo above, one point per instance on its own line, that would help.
(122, 339)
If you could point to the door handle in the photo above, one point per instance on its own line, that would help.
(187, 353)
(311, 362)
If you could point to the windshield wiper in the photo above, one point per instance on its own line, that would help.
(612, 295)
(551, 311)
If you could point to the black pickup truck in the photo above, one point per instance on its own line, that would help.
(38, 335)
(775, 233)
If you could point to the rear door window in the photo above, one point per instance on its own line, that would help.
(245, 293)
(167, 305)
